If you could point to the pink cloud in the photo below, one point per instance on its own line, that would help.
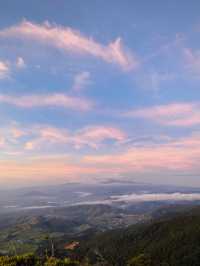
(69, 40)
(51, 170)
(17, 132)
(176, 114)
(93, 137)
(175, 156)
(2, 142)
(4, 70)
(45, 136)
(179, 155)
(54, 100)
(42, 138)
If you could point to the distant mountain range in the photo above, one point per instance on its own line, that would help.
(116, 194)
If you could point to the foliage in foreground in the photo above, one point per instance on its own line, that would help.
(32, 260)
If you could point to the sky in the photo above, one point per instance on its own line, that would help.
(95, 90)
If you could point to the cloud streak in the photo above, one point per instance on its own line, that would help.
(69, 40)
(40, 137)
(146, 197)
(175, 155)
(175, 114)
(47, 100)
(93, 137)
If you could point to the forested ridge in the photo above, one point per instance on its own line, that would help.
(172, 240)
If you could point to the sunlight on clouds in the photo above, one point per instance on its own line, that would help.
(48, 100)
(52, 170)
(118, 100)
(4, 70)
(69, 40)
(183, 154)
(177, 156)
(176, 114)
(92, 137)
(39, 137)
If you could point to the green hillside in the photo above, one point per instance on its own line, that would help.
(32, 231)
(171, 241)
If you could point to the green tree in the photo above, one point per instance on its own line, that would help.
(58, 262)
(140, 260)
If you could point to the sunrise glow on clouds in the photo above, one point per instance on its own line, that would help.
(69, 40)
(81, 100)
(59, 100)
(175, 114)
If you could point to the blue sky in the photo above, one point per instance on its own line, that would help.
(99, 89)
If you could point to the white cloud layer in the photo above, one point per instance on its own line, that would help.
(145, 197)
(156, 197)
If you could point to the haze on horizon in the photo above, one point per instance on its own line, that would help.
(97, 90)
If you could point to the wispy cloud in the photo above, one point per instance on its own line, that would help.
(154, 80)
(93, 137)
(2, 142)
(40, 137)
(81, 80)
(4, 70)
(175, 155)
(20, 63)
(69, 40)
(47, 100)
(192, 59)
(176, 114)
